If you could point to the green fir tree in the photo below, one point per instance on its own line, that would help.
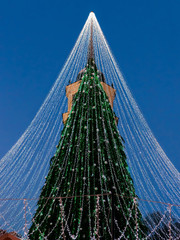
(89, 160)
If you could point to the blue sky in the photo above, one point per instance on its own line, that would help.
(37, 36)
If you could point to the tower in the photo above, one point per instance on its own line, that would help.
(88, 192)
(72, 89)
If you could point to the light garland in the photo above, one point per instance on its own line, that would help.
(24, 167)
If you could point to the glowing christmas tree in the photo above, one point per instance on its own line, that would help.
(88, 192)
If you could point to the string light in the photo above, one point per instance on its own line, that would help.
(24, 167)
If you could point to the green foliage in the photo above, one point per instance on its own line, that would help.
(89, 160)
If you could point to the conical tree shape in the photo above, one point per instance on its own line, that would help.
(89, 160)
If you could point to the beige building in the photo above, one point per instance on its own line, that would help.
(9, 236)
(72, 89)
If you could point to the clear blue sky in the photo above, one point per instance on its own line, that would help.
(36, 37)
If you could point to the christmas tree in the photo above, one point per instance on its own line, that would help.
(89, 193)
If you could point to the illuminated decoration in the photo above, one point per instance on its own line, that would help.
(24, 168)
(89, 160)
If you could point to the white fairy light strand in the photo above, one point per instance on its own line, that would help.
(23, 168)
